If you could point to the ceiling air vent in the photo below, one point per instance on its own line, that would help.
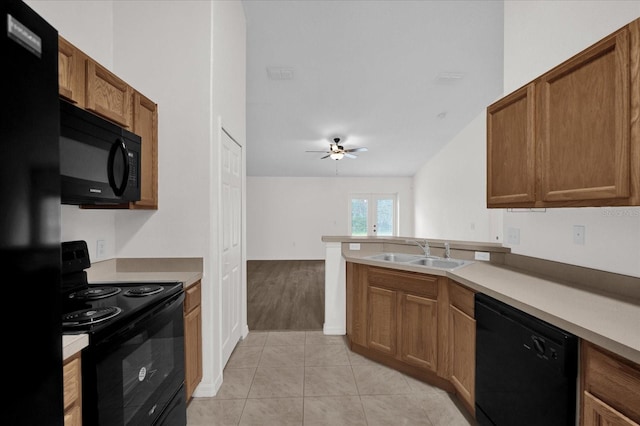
(280, 73)
(449, 77)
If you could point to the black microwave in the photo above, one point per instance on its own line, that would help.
(99, 160)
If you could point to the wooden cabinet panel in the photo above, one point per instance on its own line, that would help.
(70, 72)
(107, 95)
(72, 393)
(192, 338)
(583, 124)
(462, 335)
(382, 325)
(608, 380)
(418, 331)
(412, 282)
(511, 149)
(145, 125)
(597, 413)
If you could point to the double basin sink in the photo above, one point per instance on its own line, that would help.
(434, 262)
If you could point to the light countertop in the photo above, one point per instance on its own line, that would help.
(606, 319)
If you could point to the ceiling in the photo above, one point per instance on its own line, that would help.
(400, 78)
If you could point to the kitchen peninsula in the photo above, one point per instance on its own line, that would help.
(422, 320)
(598, 306)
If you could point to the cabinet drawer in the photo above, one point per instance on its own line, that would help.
(193, 297)
(612, 379)
(411, 282)
(462, 298)
(71, 378)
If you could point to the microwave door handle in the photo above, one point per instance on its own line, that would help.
(118, 146)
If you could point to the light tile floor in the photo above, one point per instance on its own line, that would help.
(307, 378)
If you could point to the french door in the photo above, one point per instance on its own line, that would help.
(373, 214)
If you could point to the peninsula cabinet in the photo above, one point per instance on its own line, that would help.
(610, 388)
(192, 338)
(393, 318)
(91, 86)
(571, 137)
(462, 343)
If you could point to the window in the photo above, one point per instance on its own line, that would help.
(372, 214)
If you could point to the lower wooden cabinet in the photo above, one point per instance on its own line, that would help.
(462, 343)
(393, 316)
(610, 388)
(72, 382)
(192, 338)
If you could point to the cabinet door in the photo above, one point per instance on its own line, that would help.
(71, 72)
(419, 331)
(382, 320)
(597, 413)
(145, 125)
(192, 350)
(462, 332)
(107, 95)
(583, 126)
(511, 150)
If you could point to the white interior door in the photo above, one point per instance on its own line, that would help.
(373, 214)
(231, 206)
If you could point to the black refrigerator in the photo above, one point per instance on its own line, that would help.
(30, 220)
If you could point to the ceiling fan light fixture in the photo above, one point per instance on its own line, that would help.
(337, 155)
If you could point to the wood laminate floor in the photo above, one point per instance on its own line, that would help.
(285, 295)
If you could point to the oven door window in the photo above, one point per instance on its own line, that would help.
(141, 370)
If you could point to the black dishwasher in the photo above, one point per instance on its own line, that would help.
(526, 368)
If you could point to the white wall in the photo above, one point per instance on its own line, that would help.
(538, 36)
(450, 200)
(287, 217)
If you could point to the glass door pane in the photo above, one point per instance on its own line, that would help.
(359, 216)
(384, 217)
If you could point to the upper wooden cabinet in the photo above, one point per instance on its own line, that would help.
(145, 124)
(89, 85)
(511, 149)
(106, 94)
(572, 136)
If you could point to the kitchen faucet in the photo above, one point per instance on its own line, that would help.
(447, 251)
(425, 247)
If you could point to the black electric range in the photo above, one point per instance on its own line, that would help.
(93, 308)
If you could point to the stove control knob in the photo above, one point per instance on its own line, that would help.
(538, 345)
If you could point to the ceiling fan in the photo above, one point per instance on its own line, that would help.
(337, 151)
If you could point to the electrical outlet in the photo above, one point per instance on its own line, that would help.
(513, 236)
(354, 246)
(101, 249)
(578, 234)
(482, 255)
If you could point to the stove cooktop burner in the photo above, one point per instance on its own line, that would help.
(145, 290)
(89, 316)
(94, 293)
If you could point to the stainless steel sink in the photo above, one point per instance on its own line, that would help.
(440, 263)
(395, 257)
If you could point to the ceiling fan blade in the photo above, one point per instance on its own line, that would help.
(326, 156)
(346, 154)
(319, 151)
(362, 149)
